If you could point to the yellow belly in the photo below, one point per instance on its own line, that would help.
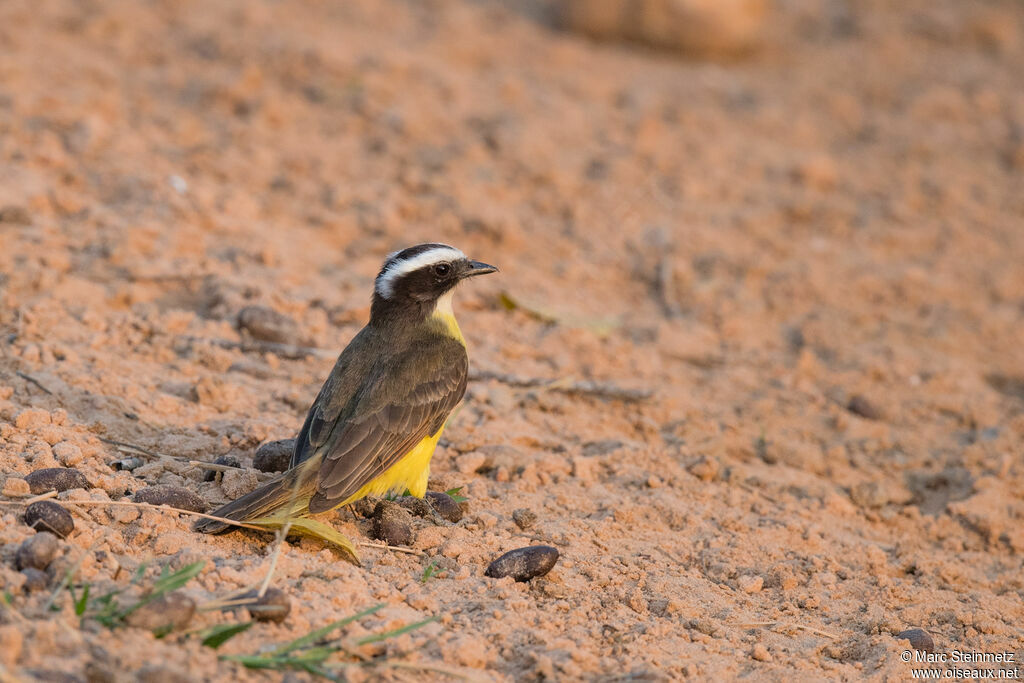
(411, 472)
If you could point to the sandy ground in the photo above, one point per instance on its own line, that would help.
(811, 255)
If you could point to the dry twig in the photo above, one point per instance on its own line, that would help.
(139, 450)
(29, 378)
(135, 449)
(289, 351)
(565, 385)
(41, 496)
(396, 548)
(158, 508)
(666, 287)
(773, 626)
(165, 277)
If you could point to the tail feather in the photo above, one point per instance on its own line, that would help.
(279, 499)
(307, 526)
(284, 501)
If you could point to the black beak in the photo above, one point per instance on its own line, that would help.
(479, 268)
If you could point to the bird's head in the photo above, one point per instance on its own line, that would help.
(418, 278)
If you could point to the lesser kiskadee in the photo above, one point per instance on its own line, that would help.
(377, 419)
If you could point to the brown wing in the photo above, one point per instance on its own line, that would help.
(337, 395)
(396, 409)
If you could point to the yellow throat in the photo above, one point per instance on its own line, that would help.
(444, 314)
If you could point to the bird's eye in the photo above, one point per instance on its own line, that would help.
(442, 269)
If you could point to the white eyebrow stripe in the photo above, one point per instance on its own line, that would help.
(386, 280)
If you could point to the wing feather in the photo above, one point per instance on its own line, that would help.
(397, 408)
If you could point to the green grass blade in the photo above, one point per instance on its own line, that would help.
(171, 582)
(429, 571)
(254, 661)
(215, 636)
(316, 635)
(377, 637)
(311, 657)
(82, 602)
(454, 495)
(139, 573)
(161, 631)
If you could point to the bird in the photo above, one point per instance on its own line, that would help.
(372, 429)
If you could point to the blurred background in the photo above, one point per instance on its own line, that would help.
(797, 223)
(652, 152)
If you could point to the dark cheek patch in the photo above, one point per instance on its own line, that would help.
(422, 285)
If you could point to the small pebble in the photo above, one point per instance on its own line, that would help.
(56, 478)
(705, 468)
(364, 507)
(128, 464)
(604, 447)
(869, 494)
(237, 483)
(168, 612)
(275, 605)
(67, 453)
(18, 215)
(45, 515)
(159, 673)
(53, 676)
(859, 405)
(35, 579)
(444, 505)
(392, 523)
(523, 564)
(12, 640)
(266, 324)
(760, 653)
(751, 584)
(175, 496)
(274, 456)
(15, 488)
(227, 461)
(524, 518)
(919, 639)
(102, 667)
(417, 506)
(37, 551)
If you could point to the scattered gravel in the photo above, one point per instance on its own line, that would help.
(274, 606)
(445, 506)
(392, 524)
(37, 551)
(45, 515)
(861, 406)
(35, 579)
(523, 564)
(524, 518)
(919, 639)
(418, 507)
(227, 461)
(173, 611)
(266, 324)
(56, 478)
(274, 456)
(175, 496)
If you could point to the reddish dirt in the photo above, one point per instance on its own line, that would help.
(811, 255)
